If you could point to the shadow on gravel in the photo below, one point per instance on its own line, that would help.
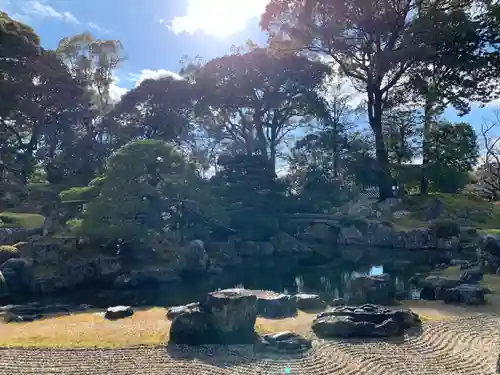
(225, 356)
(409, 334)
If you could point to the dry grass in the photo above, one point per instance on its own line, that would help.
(90, 330)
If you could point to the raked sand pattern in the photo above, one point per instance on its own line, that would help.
(458, 346)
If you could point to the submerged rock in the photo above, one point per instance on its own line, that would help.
(118, 312)
(284, 342)
(364, 321)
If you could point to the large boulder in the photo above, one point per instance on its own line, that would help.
(435, 210)
(224, 317)
(233, 314)
(488, 253)
(285, 244)
(18, 276)
(193, 257)
(415, 239)
(255, 249)
(193, 327)
(464, 294)
(364, 321)
(371, 289)
(309, 302)
(432, 287)
(471, 276)
(275, 305)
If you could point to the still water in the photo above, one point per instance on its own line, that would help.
(329, 281)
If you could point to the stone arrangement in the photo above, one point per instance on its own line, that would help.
(364, 321)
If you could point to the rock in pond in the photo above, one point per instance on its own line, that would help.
(372, 289)
(364, 321)
(467, 294)
(224, 317)
(175, 311)
(309, 302)
(284, 342)
(471, 276)
(118, 312)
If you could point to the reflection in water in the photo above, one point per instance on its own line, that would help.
(328, 282)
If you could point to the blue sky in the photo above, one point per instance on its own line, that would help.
(156, 33)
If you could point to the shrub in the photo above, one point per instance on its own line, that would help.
(21, 220)
(445, 228)
(81, 193)
(74, 226)
(8, 252)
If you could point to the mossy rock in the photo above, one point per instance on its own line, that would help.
(445, 228)
(8, 252)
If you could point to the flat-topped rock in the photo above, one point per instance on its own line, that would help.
(118, 312)
(309, 302)
(284, 342)
(364, 321)
(270, 304)
(175, 311)
(223, 317)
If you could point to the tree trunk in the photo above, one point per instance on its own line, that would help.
(424, 181)
(375, 120)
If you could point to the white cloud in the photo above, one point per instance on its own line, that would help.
(154, 74)
(97, 28)
(217, 17)
(37, 9)
(115, 91)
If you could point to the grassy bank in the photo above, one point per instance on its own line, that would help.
(91, 330)
(467, 210)
(21, 220)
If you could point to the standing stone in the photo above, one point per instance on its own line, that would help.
(372, 289)
(435, 210)
(233, 314)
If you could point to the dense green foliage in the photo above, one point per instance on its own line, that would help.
(235, 144)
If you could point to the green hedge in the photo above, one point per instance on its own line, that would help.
(83, 193)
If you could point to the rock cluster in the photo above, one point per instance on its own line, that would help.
(364, 321)
(464, 290)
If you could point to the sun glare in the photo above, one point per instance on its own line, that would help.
(219, 18)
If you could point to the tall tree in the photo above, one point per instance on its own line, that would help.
(37, 94)
(157, 109)
(92, 63)
(454, 68)
(453, 153)
(374, 44)
(402, 128)
(254, 100)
